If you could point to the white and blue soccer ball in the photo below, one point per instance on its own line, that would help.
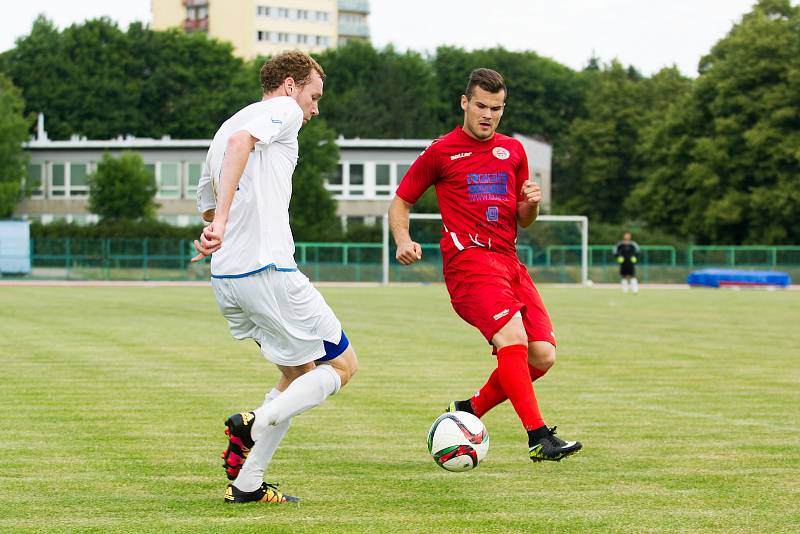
(458, 441)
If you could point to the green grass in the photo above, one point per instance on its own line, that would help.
(687, 403)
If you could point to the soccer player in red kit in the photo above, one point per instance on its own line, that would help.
(483, 189)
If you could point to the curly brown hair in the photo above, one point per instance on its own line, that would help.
(291, 64)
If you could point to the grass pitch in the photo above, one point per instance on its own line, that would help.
(113, 399)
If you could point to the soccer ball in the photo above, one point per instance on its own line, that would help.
(458, 441)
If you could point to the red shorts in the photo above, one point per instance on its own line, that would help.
(488, 288)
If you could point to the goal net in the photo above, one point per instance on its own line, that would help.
(555, 248)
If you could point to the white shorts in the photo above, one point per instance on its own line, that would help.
(282, 311)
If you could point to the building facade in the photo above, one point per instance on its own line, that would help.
(363, 183)
(266, 27)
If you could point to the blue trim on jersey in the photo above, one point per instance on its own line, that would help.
(270, 266)
(333, 350)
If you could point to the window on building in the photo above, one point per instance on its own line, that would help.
(58, 183)
(351, 18)
(283, 37)
(383, 179)
(322, 16)
(78, 180)
(302, 14)
(34, 180)
(356, 181)
(334, 181)
(151, 170)
(322, 40)
(302, 38)
(283, 13)
(193, 171)
(169, 184)
(402, 169)
(383, 175)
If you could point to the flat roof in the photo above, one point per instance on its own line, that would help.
(130, 142)
(168, 143)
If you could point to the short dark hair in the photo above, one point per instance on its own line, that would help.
(487, 79)
(294, 64)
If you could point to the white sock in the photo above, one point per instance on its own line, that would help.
(271, 395)
(635, 285)
(303, 393)
(252, 473)
(624, 285)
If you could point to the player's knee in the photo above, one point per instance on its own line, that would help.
(513, 333)
(352, 363)
(346, 365)
(541, 355)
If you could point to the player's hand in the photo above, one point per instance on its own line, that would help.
(408, 252)
(210, 240)
(532, 192)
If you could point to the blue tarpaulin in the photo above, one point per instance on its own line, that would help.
(735, 277)
(15, 248)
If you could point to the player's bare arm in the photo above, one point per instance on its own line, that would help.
(408, 251)
(237, 151)
(528, 209)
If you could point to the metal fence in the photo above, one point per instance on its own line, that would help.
(168, 259)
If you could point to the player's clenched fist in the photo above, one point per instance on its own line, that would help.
(532, 192)
(409, 252)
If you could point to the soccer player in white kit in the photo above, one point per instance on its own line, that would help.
(244, 192)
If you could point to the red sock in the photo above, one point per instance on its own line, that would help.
(492, 394)
(536, 373)
(512, 367)
(489, 396)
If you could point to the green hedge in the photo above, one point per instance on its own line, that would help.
(120, 229)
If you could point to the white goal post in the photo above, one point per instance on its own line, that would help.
(582, 220)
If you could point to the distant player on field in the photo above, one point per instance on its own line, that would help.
(482, 184)
(244, 191)
(627, 255)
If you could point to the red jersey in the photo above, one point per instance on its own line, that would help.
(478, 185)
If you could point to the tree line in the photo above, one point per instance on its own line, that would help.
(711, 159)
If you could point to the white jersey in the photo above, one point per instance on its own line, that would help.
(257, 235)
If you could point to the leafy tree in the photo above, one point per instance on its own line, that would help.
(725, 169)
(186, 84)
(378, 93)
(312, 209)
(37, 65)
(601, 147)
(122, 189)
(99, 81)
(605, 160)
(13, 132)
